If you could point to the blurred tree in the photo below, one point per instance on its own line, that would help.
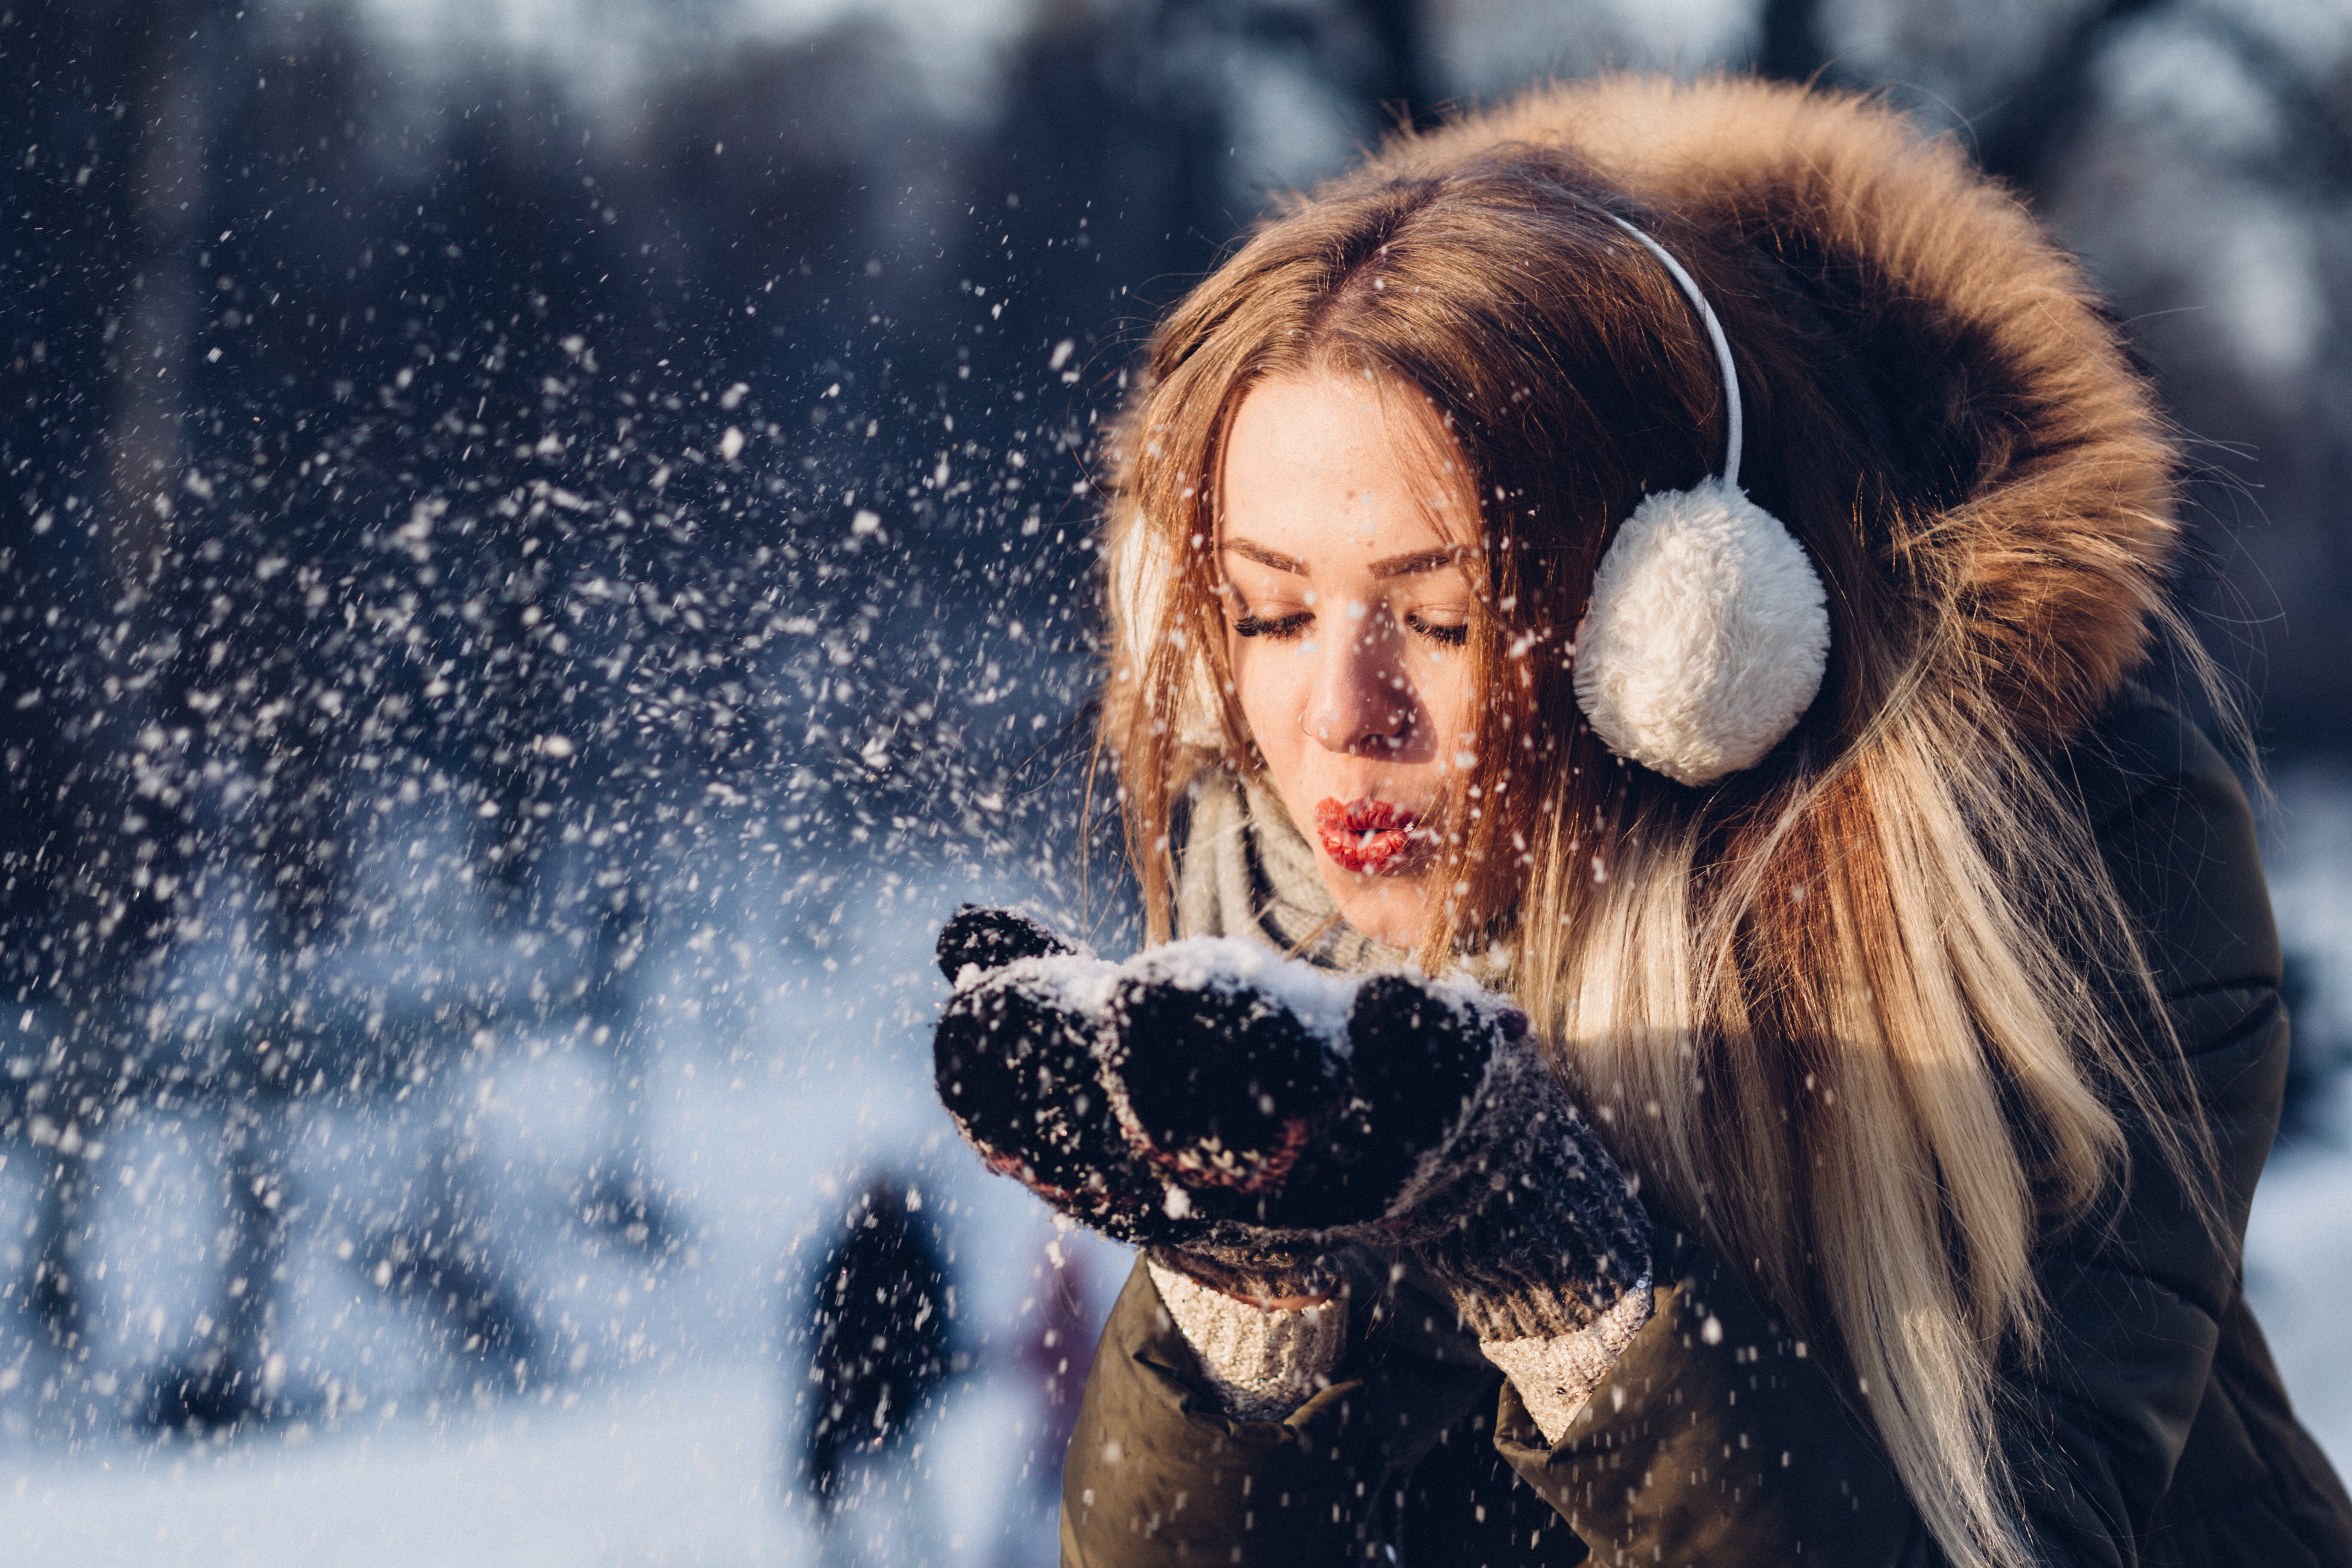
(234, 1374)
(2024, 131)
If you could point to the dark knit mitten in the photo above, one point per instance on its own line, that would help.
(1018, 1060)
(1015, 1068)
(1517, 1209)
(1244, 1116)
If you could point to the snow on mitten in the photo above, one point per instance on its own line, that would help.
(1225, 1067)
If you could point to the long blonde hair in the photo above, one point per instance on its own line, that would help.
(1853, 1015)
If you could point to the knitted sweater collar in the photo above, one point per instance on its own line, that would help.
(1244, 869)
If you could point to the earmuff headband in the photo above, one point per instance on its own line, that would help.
(1706, 632)
(1698, 298)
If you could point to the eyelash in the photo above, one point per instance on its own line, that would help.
(1288, 626)
(1281, 630)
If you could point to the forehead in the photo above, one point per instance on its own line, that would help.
(1337, 469)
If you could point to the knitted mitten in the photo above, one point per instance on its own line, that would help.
(1017, 1060)
(1245, 1115)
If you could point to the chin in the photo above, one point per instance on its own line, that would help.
(1388, 908)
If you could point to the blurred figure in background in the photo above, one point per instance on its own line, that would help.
(878, 1316)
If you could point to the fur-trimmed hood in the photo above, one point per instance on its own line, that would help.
(2060, 547)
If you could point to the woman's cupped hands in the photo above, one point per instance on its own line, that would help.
(1247, 1116)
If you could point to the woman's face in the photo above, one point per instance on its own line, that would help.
(1347, 537)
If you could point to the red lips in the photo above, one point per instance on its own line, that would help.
(1372, 836)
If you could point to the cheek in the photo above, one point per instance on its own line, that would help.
(1449, 697)
(1270, 688)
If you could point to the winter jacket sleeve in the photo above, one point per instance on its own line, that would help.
(1715, 1439)
(1158, 1474)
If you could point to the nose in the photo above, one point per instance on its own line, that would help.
(1360, 701)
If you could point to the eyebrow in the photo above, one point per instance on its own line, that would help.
(1265, 557)
(1417, 563)
(1410, 566)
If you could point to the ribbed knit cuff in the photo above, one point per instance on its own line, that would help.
(1263, 1363)
(1261, 1274)
(1499, 1303)
(1556, 1375)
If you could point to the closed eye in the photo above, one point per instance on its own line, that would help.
(1281, 629)
(1439, 632)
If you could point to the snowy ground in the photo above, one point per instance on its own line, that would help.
(659, 1425)
(680, 1467)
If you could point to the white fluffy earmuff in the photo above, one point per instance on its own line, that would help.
(1708, 629)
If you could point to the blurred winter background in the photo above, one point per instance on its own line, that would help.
(546, 544)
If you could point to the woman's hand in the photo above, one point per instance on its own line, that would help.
(1249, 1115)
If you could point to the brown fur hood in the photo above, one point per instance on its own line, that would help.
(2057, 531)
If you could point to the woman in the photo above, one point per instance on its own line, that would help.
(1675, 555)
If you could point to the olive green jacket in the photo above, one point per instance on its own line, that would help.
(2155, 1430)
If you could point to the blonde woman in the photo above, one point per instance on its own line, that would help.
(1712, 1022)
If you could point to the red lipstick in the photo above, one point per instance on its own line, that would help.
(1372, 836)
